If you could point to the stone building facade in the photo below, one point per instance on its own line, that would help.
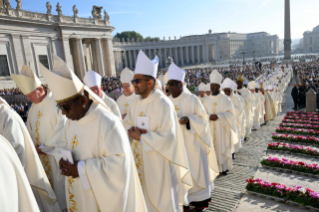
(30, 38)
(197, 49)
(311, 40)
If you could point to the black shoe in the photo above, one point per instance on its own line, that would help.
(224, 173)
(245, 139)
(233, 156)
(202, 210)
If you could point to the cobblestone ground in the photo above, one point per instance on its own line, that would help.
(229, 190)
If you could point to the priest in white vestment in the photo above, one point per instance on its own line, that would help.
(14, 130)
(97, 159)
(222, 122)
(261, 102)
(244, 93)
(202, 92)
(128, 97)
(270, 105)
(208, 92)
(257, 110)
(93, 81)
(243, 115)
(236, 135)
(157, 142)
(45, 123)
(15, 194)
(193, 121)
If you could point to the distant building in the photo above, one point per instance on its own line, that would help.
(311, 40)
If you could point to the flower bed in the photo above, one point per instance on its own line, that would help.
(301, 126)
(297, 131)
(300, 121)
(300, 113)
(295, 138)
(293, 149)
(296, 194)
(310, 118)
(298, 166)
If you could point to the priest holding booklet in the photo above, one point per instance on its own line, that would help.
(103, 176)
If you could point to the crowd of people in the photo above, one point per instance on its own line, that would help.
(157, 148)
(10, 91)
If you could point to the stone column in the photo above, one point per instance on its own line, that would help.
(203, 52)
(125, 59)
(287, 40)
(68, 58)
(119, 55)
(78, 57)
(18, 52)
(187, 55)
(98, 57)
(181, 54)
(109, 63)
(28, 55)
(170, 53)
(165, 57)
(135, 57)
(130, 58)
(193, 56)
(198, 54)
(176, 56)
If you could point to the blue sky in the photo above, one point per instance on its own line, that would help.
(171, 18)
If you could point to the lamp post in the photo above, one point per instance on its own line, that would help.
(243, 53)
(254, 52)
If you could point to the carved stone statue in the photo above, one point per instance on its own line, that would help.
(6, 4)
(49, 8)
(19, 5)
(58, 9)
(96, 12)
(106, 16)
(75, 11)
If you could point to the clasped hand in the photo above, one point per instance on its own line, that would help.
(184, 120)
(136, 133)
(69, 169)
(213, 117)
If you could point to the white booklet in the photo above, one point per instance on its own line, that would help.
(144, 123)
(67, 155)
(47, 149)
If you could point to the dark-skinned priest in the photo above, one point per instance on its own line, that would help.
(222, 122)
(157, 142)
(103, 176)
(193, 121)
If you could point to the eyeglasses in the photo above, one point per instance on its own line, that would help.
(68, 106)
(174, 83)
(137, 81)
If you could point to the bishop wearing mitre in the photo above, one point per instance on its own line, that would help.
(193, 121)
(45, 123)
(257, 109)
(93, 81)
(242, 113)
(128, 97)
(14, 130)
(202, 92)
(102, 176)
(222, 122)
(157, 142)
(15, 193)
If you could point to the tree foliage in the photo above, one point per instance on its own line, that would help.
(129, 35)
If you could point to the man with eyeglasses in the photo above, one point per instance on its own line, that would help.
(157, 142)
(93, 80)
(221, 121)
(128, 97)
(193, 121)
(44, 124)
(235, 135)
(102, 176)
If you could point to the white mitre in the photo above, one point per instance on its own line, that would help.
(127, 76)
(175, 73)
(146, 66)
(27, 81)
(208, 87)
(252, 85)
(158, 84)
(215, 77)
(64, 84)
(234, 88)
(165, 78)
(257, 85)
(161, 79)
(92, 79)
(201, 87)
(227, 83)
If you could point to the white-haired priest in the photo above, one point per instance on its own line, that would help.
(102, 176)
(93, 81)
(157, 142)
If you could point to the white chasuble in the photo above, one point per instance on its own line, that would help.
(112, 105)
(236, 135)
(45, 124)
(257, 112)
(201, 98)
(199, 147)
(221, 128)
(262, 107)
(14, 130)
(15, 194)
(244, 93)
(270, 107)
(243, 120)
(163, 167)
(124, 102)
(110, 181)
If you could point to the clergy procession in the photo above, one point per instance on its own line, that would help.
(158, 148)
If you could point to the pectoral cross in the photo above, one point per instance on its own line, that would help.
(176, 108)
(74, 142)
(141, 114)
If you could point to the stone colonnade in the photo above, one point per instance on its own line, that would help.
(182, 55)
